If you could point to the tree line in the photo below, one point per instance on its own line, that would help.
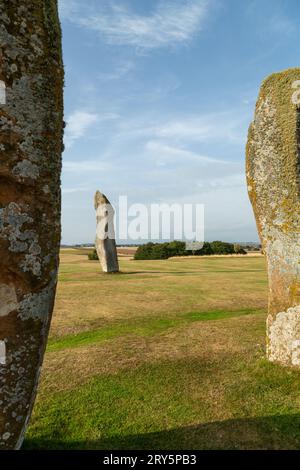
(178, 248)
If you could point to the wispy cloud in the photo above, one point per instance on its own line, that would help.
(281, 24)
(68, 8)
(75, 190)
(169, 23)
(84, 166)
(168, 153)
(235, 180)
(206, 127)
(120, 71)
(77, 125)
(79, 122)
(279, 21)
(228, 126)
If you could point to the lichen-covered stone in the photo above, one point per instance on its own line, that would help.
(273, 178)
(31, 129)
(105, 234)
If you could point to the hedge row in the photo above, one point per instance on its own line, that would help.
(176, 248)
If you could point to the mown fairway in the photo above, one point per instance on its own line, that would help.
(165, 355)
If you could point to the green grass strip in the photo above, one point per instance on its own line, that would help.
(148, 328)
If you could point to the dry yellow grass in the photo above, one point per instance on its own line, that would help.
(204, 341)
(88, 298)
(167, 354)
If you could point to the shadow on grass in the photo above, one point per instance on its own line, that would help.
(268, 432)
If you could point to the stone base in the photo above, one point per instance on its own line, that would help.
(283, 337)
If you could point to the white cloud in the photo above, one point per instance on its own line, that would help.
(75, 190)
(84, 166)
(229, 127)
(196, 172)
(68, 8)
(77, 125)
(213, 126)
(168, 153)
(170, 22)
(194, 127)
(230, 181)
(79, 122)
(120, 71)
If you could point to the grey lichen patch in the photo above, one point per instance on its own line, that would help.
(31, 264)
(282, 250)
(8, 299)
(37, 306)
(15, 406)
(25, 117)
(26, 169)
(37, 44)
(284, 337)
(21, 240)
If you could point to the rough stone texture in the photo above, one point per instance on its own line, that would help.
(105, 235)
(31, 128)
(273, 177)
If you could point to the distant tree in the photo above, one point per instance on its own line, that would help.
(93, 255)
(144, 251)
(160, 251)
(205, 250)
(176, 248)
(239, 250)
(222, 248)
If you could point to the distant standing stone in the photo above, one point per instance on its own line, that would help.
(31, 130)
(273, 177)
(105, 234)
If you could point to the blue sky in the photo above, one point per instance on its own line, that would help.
(158, 98)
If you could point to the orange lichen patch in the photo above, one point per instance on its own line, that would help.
(295, 292)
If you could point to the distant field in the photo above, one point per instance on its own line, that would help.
(127, 250)
(167, 354)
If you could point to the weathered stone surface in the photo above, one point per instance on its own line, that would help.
(31, 128)
(273, 177)
(105, 234)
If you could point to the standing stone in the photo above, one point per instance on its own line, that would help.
(31, 113)
(105, 234)
(273, 177)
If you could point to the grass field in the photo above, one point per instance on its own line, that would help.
(165, 355)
